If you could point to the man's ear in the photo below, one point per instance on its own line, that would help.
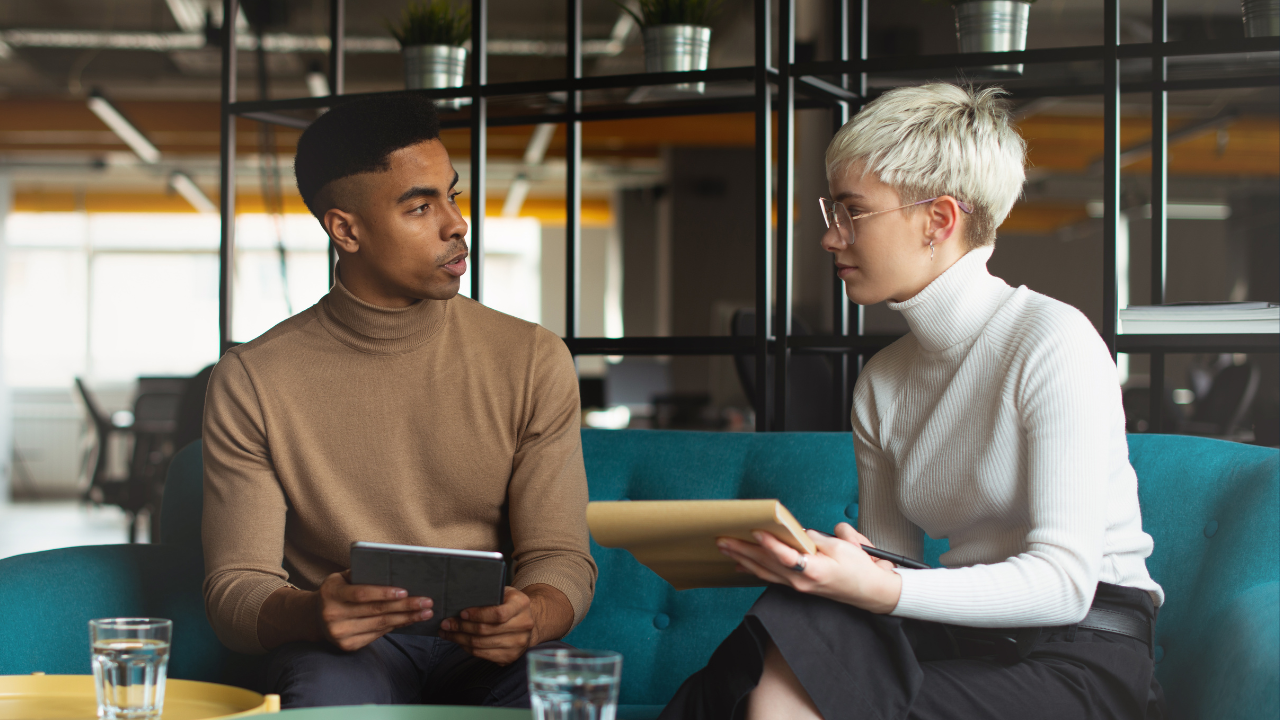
(943, 218)
(341, 226)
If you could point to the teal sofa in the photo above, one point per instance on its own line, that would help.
(1213, 508)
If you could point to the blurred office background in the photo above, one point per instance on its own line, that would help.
(109, 257)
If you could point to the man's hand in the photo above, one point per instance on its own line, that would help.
(502, 633)
(349, 616)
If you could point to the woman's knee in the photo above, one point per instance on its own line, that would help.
(779, 692)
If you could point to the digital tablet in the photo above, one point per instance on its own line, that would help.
(454, 579)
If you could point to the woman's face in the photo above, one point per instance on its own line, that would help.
(890, 256)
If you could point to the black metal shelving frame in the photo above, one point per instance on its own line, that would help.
(781, 85)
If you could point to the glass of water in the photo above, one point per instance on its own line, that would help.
(130, 658)
(570, 684)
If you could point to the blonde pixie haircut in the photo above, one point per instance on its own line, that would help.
(939, 139)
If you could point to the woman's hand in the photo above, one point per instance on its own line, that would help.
(840, 570)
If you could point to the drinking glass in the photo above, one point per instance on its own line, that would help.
(130, 658)
(570, 684)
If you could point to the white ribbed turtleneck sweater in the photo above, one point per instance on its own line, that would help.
(997, 424)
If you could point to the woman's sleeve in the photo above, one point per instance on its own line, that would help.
(878, 515)
(1068, 404)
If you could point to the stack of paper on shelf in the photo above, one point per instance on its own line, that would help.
(1207, 318)
(677, 538)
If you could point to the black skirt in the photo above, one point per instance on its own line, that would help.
(856, 664)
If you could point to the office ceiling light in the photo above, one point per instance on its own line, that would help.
(189, 14)
(317, 83)
(516, 195)
(186, 187)
(534, 153)
(124, 129)
(1173, 211)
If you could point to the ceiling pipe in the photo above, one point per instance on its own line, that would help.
(271, 42)
(1139, 151)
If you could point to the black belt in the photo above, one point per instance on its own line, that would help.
(1120, 624)
(1010, 645)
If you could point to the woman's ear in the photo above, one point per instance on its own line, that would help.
(943, 218)
(340, 225)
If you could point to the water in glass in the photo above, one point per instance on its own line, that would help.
(574, 684)
(574, 695)
(129, 668)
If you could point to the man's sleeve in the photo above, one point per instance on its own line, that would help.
(548, 490)
(244, 509)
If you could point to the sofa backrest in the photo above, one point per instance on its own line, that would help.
(1213, 509)
(1185, 484)
(1211, 506)
(49, 597)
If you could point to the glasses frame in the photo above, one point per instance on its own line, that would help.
(828, 215)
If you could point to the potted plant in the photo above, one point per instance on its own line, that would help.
(1261, 17)
(676, 35)
(431, 34)
(992, 26)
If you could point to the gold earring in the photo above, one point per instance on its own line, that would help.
(930, 251)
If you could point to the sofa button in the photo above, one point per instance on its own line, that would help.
(661, 621)
(851, 510)
(1211, 529)
(1159, 653)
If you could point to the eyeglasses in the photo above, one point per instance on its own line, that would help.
(836, 215)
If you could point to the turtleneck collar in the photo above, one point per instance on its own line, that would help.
(957, 304)
(379, 330)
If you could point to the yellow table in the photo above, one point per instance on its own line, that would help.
(407, 712)
(71, 697)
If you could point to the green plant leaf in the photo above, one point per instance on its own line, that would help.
(675, 12)
(432, 22)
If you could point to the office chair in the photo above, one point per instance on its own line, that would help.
(154, 420)
(1223, 409)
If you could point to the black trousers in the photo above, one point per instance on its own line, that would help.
(856, 664)
(392, 670)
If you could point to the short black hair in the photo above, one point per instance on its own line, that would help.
(357, 136)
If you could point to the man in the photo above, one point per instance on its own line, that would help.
(392, 411)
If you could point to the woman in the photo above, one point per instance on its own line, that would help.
(995, 423)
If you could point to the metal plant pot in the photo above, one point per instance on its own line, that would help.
(1261, 17)
(993, 26)
(677, 48)
(435, 66)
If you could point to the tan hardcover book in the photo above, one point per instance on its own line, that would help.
(677, 538)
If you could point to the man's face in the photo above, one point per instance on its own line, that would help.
(885, 261)
(410, 235)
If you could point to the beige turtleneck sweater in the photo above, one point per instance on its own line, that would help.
(444, 424)
(996, 423)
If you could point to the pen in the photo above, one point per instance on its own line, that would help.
(894, 558)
